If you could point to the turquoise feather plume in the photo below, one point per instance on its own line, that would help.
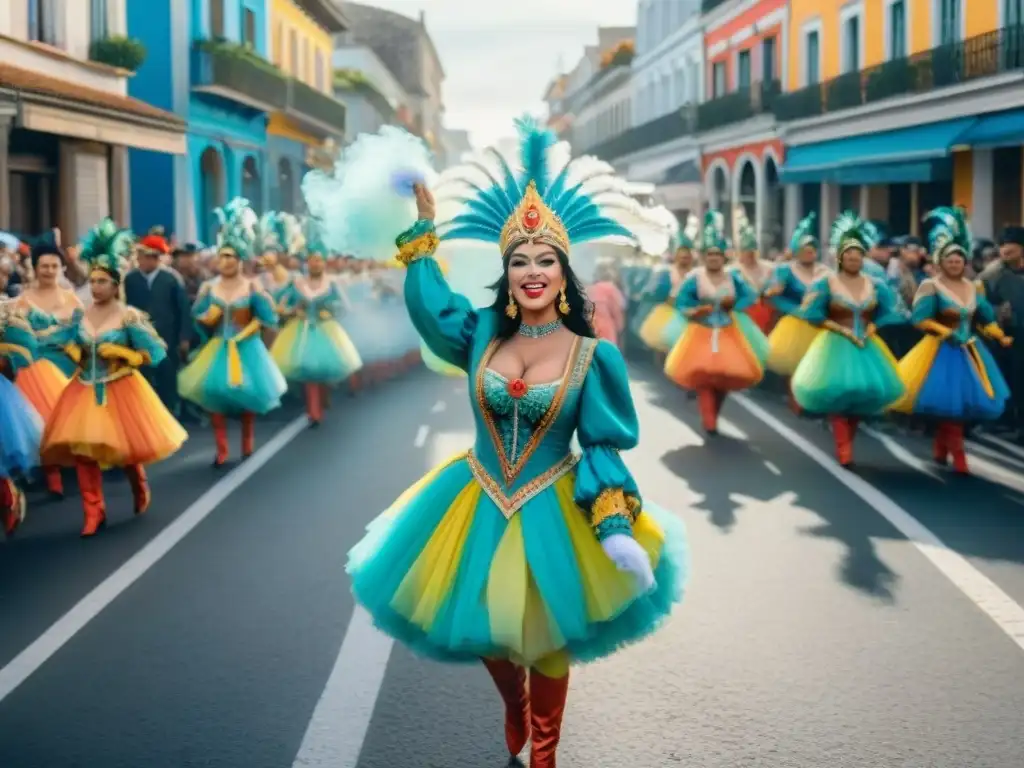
(107, 247)
(805, 234)
(237, 228)
(848, 231)
(950, 232)
(712, 236)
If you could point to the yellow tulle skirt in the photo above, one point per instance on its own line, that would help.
(652, 328)
(42, 383)
(789, 342)
(132, 426)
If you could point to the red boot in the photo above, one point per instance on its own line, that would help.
(510, 680)
(547, 707)
(140, 487)
(220, 436)
(707, 404)
(940, 445)
(955, 441)
(12, 505)
(248, 435)
(90, 483)
(54, 482)
(843, 436)
(314, 404)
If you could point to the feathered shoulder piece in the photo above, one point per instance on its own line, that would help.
(107, 247)
(312, 234)
(712, 236)
(848, 231)
(805, 233)
(288, 232)
(950, 232)
(541, 196)
(691, 231)
(744, 236)
(237, 228)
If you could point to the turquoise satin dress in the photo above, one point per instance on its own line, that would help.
(49, 331)
(497, 552)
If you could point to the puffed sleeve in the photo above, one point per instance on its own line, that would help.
(264, 310)
(925, 304)
(288, 300)
(776, 288)
(331, 304)
(889, 310)
(814, 307)
(688, 300)
(445, 320)
(608, 423)
(204, 312)
(746, 296)
(985, 316)
(19, 342)
(143, 338)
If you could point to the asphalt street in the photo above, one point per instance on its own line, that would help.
(814, 634)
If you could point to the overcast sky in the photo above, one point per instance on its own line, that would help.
(499, 55)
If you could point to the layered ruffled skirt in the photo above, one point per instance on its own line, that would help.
(789, 342)
(41, 383)
(446, 573)
(652, 330)
(131, 426)
(952, 381)
(317, 352)
(724, 359)
(20, 432)
(250, 383)
(838, 377)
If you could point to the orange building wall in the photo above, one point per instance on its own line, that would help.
(739, 22)
(733, 154)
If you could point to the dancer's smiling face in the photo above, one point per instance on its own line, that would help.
(48, 268)
(851, 260)
(953, 264)
(807, 255)
(535, 276)
(714, 261)
(315, 264)
(228, 264)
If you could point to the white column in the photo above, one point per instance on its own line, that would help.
(828, 211)
(759, 204)
(982, 198)
(792, 212)
(864, 202)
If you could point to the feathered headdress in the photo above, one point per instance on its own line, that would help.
(805, 234)
(288, 233)
(265, 235)
(873, 232)
(548, 199)
(237, 228)
(107, 248)
(688, 237)
(744, 238)
(849, 231)
(313, 238)
(712, 236)
(950, 233)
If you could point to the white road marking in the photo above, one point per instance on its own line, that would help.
(439, 407)
(902, 454)
(979, 589)
(1004, 444)
(421, 436)
(772, 468)
(22, 666)
(337, 730)
(991, 453)
(727, 429)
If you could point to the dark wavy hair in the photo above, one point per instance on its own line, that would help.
(581, 310)
(46, 245)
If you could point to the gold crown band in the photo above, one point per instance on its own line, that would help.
(534, 222)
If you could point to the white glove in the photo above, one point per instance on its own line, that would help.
(623, 550)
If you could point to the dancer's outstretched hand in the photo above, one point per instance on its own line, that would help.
(629, 556)
(425, 207)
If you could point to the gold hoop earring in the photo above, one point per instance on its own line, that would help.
(563, 302)
(512, 310)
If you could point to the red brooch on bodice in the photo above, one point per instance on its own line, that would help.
(517, 388)
(531, 219)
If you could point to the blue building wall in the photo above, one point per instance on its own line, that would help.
(180, 193)
(287, 166)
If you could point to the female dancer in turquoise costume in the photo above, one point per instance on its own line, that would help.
(722, 350)
(313, 349)
(20, 426)
(232, 374)
(785, 291)
(518, 552)
(848, 373)
(950, 376)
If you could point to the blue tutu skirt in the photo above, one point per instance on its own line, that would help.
(215, 384)
(838, 377)
(20, 432)
(446, 573)
(952, 381)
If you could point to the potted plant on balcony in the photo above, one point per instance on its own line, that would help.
(620, 55)
(222, 47)
(126, 53)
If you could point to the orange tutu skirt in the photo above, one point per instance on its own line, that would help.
(700, 361)
(131, 427)
(762, 314)
(42, 384)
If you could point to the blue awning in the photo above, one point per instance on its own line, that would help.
(920, 153)
(1001, 129)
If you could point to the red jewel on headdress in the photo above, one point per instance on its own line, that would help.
(517, 388)
(531, 219)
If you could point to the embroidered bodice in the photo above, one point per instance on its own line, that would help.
(240, 315)
(699, 292)
(516, 419)
(321, 304)
(936, 301)
(787, 286)
(831, 300)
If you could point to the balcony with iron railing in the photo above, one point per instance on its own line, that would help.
(233, 72)
(992, 53)
(674, 125)
(742, 104)
(314, 110)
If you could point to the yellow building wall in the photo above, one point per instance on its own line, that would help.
(981, 16)
(963, 179)
(295, 41)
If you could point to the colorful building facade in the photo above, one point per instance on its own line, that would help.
(299, 136)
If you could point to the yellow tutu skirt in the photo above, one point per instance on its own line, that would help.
(651, 329)
(42, 383)
(131, 427)
(789, 342)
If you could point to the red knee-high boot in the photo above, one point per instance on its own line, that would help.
(54, 482)
(547, 708)
(220, 437)
(90, 484)
(248, 434)
(141, 494)
(955, 441)
(314, 403)
(843, 436)
(510, 681)
(707, 404)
